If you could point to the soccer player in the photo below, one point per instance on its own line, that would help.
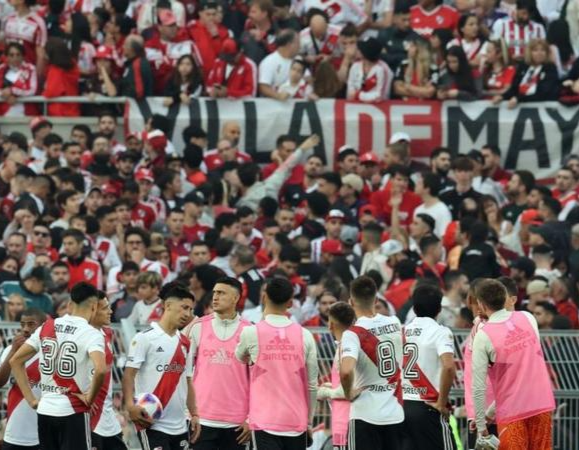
(221, 382)
(370, 372)
(159, 362)
(70, 349)
(284, 376)
(107, 433)
(22, 422)
(508, 349)
(341, 317)
(427, 374)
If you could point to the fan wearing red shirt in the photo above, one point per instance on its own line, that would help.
(208, 34)
(430, 15)
(225, 151)
(142, 214)
(492, 166)
(62, 78)
(396, 195)
(233, 74)
(284, 147)
(80, 267)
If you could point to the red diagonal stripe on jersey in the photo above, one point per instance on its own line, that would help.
(15, 395)
(98, 405)
(368, 343)
(169, 381)
(397, 378)
(422, 383)
(48, 332)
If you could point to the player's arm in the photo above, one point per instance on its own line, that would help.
(17, 363)
(192, 407)
(482, 351)
(350, 350)
(447, 374)
(100, 372)
(312, 368)
(247, 346)
(136, 414)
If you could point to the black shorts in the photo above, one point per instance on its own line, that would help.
(218, 439)
(262, 440)
(108, 443)
(363, 435)
(64, 433)
(9, 446)
(425, 427)
(157, 440)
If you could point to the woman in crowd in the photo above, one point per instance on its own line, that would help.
(498, 73)
(457, 81)
(536, 80)
(186, 82)
(438, 43)
(470, 41)
(15, 304)
(492, 215)
(416, 76)
(17, 79)
(77, 31)
(25, 215)
(327, 84)
(562, 54)
(62, 78)
(103, 82)
(370, 78)
(297, 85)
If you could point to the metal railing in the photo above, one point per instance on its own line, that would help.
(561, 350)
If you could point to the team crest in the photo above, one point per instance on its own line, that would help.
(89, 274)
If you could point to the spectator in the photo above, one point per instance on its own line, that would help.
(348, 52)
(398, 37)
(560, 291)
(457, 81)
(259, 38)
(478, 259)
(440, 163)
(340, 12)
(15, 304)
(518, 189)
(284, 148)
(463, 174)
(147, 14)
(274, 70)
(149, 307)
(62, 78)
(492, 164)
(370, 78)
(428, 188)
(233, 74)
(32, 289)
(327, 83)
(103, 82)
(545, 312)
(416, 76)
(430, 15)
(297, 86)
(80, 267)
(470, 41)
(562, 54)
(77, 32)
(319, 40)
(438, 44)
(456, 286)
(137, 81)
(18, 78)
(498, 73)
(519, 31)
(208, 34)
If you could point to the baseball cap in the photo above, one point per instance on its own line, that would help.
(332, 246)
(104, 52)
(144, 174)
(156, 139)
(335, 214)
(391, 247)
(524, 264)
(369, 158)
(110, 189)
(38, 122)
(477, 156)
(349, 235)
(370, 48)
(354, 181)
(400, 136)
(167, 17)
(530, 217)
(229, 47)
(134, 135)
(536, 286)
(543, 231)
(368, 209)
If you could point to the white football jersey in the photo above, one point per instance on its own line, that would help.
(164, 363)
(22, 423)
(376, 344)
(65, 366)
(425, 341)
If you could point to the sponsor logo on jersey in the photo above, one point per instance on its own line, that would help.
(220, 356)
(174, 367)
(160, 349)
(279, 343)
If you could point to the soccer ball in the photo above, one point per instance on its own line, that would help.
(151, 404)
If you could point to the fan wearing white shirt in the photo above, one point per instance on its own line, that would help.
(370, 79)
(274, 70)
(428, 187)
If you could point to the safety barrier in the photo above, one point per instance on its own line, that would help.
(561, 350)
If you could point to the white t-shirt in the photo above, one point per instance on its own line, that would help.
(441, 215)
(274, 70)
(340, 12)
(22, 425)
(425, 342)
(68, 357)
(152, 352)
(377, 403)
(143, 314)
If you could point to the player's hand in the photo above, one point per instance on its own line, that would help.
(17, 342)
(83, 398)
(33, 404)
(195, 429)
(139, 416)
(486, 441)
(244, 433)
(442, 409)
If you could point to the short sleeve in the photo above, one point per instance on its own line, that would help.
(137, 351)
(444, 341)
(266, 72)
(34, 340)
(95, 341)
(189, 363)
(350, 345)
(5, 354)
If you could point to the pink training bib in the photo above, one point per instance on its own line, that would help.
(340, 411)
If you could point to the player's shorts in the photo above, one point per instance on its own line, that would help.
(363, 435)
(426, 428)
(65, 433)
(157, 440)
(221, 438)
(262, 440)
(108, 443)
(535, 432)
(9, 446)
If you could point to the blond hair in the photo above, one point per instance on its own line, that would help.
(534, 43)
(419, 63)
(152, 279)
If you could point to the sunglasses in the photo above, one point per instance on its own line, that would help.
(41, 234)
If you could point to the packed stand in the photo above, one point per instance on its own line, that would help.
(508, 51)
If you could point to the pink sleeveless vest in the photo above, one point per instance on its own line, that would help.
(221, 382)
(467, 373)
(519, 375)
(340, 411)
(278, 399)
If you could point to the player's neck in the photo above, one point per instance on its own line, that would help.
(81, 312)
(167, 326)
(364, 312)
(228, 315)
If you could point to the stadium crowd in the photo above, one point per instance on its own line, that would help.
(309, 49)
